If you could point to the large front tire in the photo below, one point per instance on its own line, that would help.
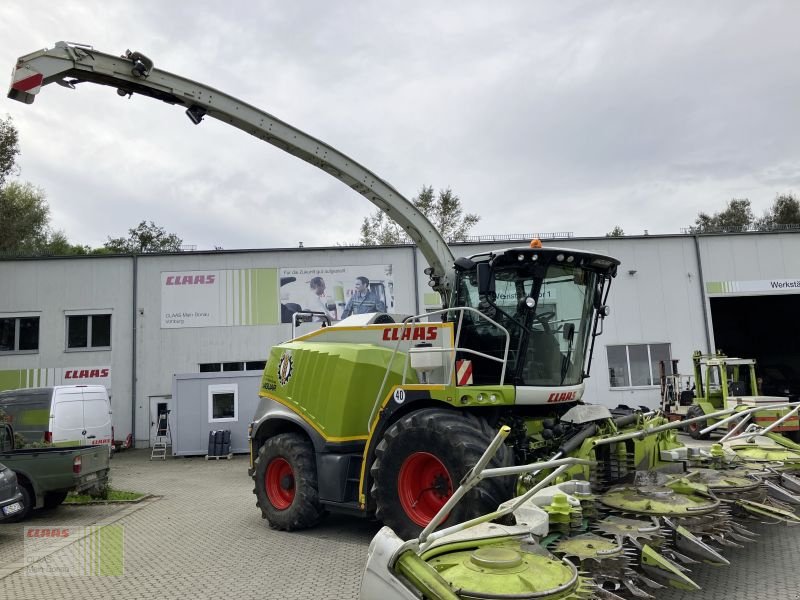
(286, 483)
(420, 462)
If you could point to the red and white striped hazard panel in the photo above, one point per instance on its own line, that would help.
(27, 80)
(464, 372)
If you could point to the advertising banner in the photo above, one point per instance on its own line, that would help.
(338, 291)
(762, 286)
(223, 298)
(13, 379)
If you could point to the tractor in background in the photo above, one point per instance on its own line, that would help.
(722, 382)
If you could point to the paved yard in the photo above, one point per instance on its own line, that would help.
(204, 538)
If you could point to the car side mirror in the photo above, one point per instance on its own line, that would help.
(485, 279)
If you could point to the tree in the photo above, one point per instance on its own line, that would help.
(443, 210)
(785, 210)
(24, 211)
(9, 149)
(57, 244)
(24, 218)
(737, 216)
(144, 238)
(616, 232)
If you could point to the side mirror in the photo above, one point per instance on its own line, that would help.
(485, 279)
(568, 332)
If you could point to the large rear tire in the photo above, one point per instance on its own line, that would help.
(693, 429)
(420, 462)
(286, 483)
(53, 500)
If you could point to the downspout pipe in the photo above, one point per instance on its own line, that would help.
(133, 347)
(703, 298)
(416, 278)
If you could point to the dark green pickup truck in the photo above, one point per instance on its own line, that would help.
(46, 475)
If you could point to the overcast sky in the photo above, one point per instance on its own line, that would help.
(541, 116)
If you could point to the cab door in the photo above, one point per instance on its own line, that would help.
(96, 417)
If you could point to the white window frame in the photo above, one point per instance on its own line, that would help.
(628, 365)
(223, 388)
(88, 313)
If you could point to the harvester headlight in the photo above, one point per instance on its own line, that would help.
(493, 398)
(560, 258)
(481, 397)
(570, 259)
(520, 257)
(535, 257)
(530, 302)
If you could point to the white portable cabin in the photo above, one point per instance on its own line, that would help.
(204, 402)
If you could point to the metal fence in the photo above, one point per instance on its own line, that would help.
(743, 229)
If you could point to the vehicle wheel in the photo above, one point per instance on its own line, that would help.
(53, 499)
(28, 500)
(420, 462)
(286, 483)
(693, 429)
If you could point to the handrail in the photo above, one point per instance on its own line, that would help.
(411, 321)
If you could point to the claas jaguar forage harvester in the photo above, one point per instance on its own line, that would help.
(384, 414)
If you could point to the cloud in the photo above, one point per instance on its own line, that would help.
(540, 116)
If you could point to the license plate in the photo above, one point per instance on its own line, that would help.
(90, 477)
(12, 508)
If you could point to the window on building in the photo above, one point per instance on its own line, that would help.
(88, 332)
(636, 365)
(223, 403)
(19, 334)
(216, 367)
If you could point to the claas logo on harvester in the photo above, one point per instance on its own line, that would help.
(423, 334)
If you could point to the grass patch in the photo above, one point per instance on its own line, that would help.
(111, 495)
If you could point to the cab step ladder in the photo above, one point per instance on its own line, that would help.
(163, 438)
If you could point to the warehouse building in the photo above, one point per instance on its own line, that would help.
(133, 322)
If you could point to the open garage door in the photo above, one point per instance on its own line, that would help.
(766, 328)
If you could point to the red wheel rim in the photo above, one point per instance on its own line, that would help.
(423, 486)
(279, 483)
(693, 427)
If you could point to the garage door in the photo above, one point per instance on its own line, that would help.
(766, 328)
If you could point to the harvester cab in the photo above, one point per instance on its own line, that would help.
(722, 382)
(551, 302)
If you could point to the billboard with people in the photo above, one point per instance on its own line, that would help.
(337, 292)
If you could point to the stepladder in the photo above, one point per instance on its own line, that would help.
(163, 437)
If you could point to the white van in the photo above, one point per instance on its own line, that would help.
(65, 415)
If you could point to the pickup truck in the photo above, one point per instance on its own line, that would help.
(46, 475)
